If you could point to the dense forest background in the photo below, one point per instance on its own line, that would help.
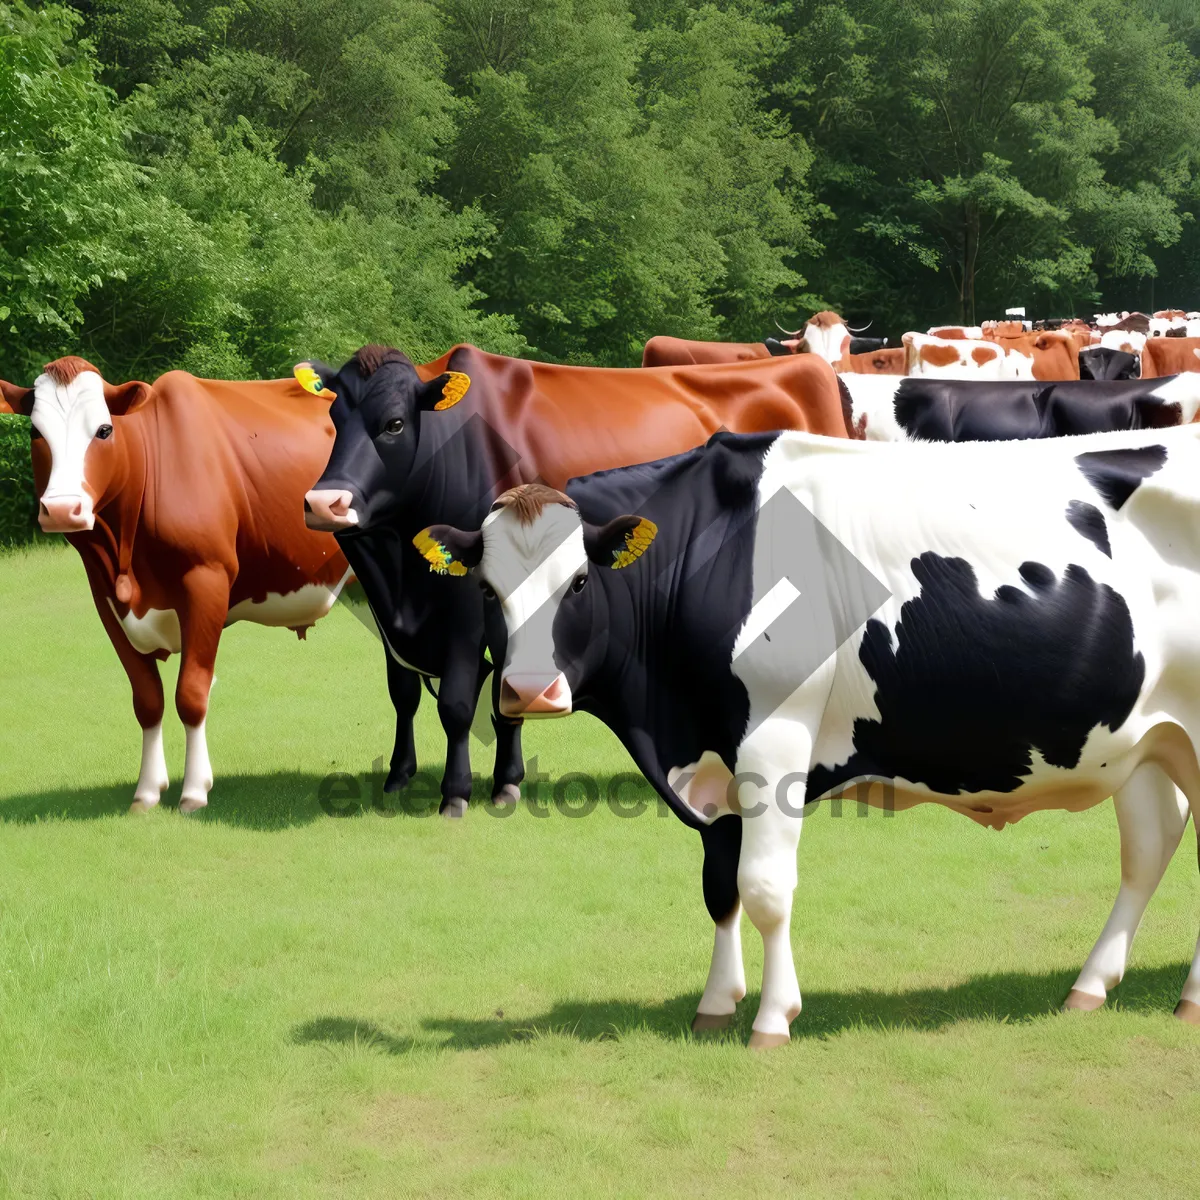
(232, 186)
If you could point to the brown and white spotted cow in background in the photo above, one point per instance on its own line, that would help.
(184, 500)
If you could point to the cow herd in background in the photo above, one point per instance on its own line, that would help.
(1000, 628)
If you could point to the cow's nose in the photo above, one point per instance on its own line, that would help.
(531, 695)
(64, 514)
(329, 511)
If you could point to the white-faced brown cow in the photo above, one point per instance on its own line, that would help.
(184, 500)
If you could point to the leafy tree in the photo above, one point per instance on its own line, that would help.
(65, 184)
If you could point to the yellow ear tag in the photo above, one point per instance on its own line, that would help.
(637, 542)
(310, 381)
(437, 556)
(454, 390)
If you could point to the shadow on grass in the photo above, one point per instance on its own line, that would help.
(286, 799)
(1002, 998)
(280, 800)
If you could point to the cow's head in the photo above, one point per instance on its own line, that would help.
(538, 560)
(827, 336)
(76, 444)
(379, 401)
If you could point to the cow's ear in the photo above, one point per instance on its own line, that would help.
(620, 542)
(445, 391)
(15, 399)
(123, 398)
(449, 551)
(314, 376)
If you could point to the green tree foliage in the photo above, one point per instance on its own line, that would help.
(65, 184)
(231, 185)
(981, 155)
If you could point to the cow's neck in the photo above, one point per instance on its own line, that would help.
(667, 690)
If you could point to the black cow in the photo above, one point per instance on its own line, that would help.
(429, 626)
(955, 410)
(1103, 362)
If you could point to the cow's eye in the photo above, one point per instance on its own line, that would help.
(104, 432)
(487, 589)
(579, 583)
(395, 425)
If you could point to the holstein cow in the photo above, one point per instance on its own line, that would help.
(961, 358)
(959, 410)
(762, 624)
(1102, 362)
(183, 499)
(438, 442)
(1169, 356)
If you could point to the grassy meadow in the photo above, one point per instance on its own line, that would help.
(269, 1000)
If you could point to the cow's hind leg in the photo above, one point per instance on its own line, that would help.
(1151, 815)
(404, 688)
(727, 975)
(1188, 1008)
(206, 606)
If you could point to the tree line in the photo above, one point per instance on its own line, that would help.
(228, 186)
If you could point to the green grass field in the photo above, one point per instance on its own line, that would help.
(266, 1000)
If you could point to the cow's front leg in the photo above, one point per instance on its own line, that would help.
(404, 688)
(148, 705)
(205, 607)
(1151, 815)
(726, 983)
(458, 693)
(771, 798)
(510, 765)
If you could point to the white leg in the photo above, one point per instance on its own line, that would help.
(767, 866)
(152, 778)
(197, 770)
(726, 976)
(1151, 815)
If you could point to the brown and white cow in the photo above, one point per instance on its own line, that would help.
(1170, 356)
(1053, 354)
(961, 358)
(184, 500)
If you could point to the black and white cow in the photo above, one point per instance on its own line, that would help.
(998, 628)
(890, 409)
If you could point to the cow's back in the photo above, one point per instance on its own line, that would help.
(663, 351)
(566, 421)
(1169, 356)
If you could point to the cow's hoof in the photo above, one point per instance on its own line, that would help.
(767, 1041)
(143, 805)
(1078, 1001)
(453, 808)
(509, 794)
(1189, 1011)
(397, 780)
(711, 1022)
(191, 804)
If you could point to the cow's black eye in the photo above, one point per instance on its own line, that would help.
(104, 432)
(395, 425)
(579, 583)
(487, 589)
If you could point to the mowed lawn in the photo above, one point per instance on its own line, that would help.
(268, 1000)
